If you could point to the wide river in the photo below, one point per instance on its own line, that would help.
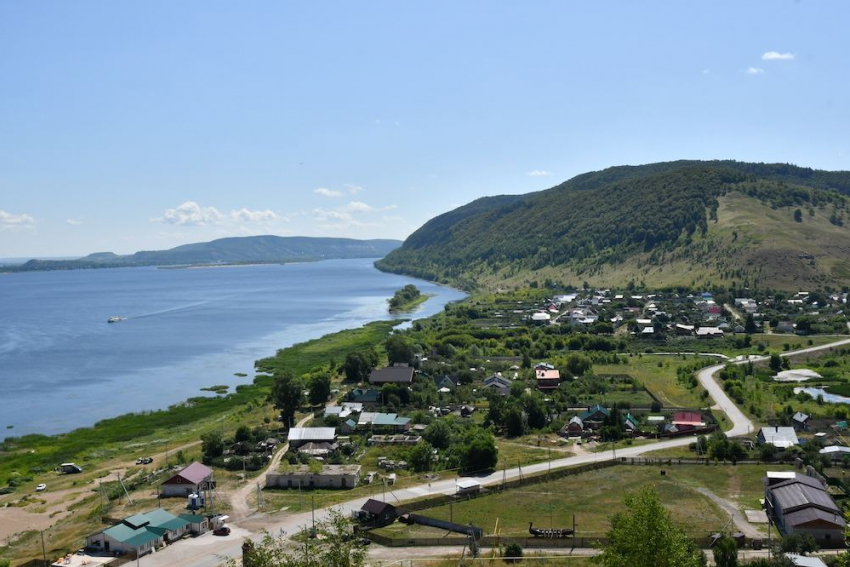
(63, 366)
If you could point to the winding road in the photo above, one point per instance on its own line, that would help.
(209, 551)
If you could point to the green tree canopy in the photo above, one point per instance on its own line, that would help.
(725, 552)
(645, 534)
(399, 350)
(287, 394)
(320, 388)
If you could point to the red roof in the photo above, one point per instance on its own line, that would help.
(687, 418)
(548, 375)
(195, 473)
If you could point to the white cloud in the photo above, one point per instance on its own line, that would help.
(74, 222)
(348, 216)
(327, 192)
(10, 221)
(777, 56)
(538, 173)
(353, 189)
(244, 215)
(191, 213)
(754, 71)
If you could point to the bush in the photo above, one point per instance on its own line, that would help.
(513, 550)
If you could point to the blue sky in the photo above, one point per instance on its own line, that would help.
(144, 125)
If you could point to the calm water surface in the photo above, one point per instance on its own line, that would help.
(63, 366)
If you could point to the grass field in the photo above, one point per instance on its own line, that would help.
(660, 380)
(595, 496)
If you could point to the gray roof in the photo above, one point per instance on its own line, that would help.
(312, 434)
(782, 437)
(802, 492)
(803, 561)
(392, 375)
(800, 417)
(808, 515)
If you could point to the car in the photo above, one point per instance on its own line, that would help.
(41, 487)
(365, 541)
(223, 531)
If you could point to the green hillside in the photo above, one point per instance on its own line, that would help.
(237, 250)
(676, 223)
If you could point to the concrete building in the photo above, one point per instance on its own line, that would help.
(330, 476)
(191, 480)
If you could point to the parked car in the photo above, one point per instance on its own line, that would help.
(223, 530)
(41, 487)
(144, 460)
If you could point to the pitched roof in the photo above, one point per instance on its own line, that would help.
(497, 382)
(377, 507)
(392, 375)
(782, 437)
(595, 409)
(802, 492)
(195, 473)
(812, 514)
(800, 417)
(687, 418)
(312, 434)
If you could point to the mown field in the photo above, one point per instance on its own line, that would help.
(595, 496)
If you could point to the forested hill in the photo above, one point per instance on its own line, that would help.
(685, 223)
(237, 250)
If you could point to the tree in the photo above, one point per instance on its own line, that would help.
(479, 451)
(212, 445)
(750, 326)
(399, 350)
(515, 422)
(578, 364)
(287, 395)
(798, 543)
(243, 434)
(513, 550)
(333, 546)
(421, 456)
(775, 362)
(438, 434)
(320, 389)
(357, 367)
(725, 552)
(798, 215)
(645, 534)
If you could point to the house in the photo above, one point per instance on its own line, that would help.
(348, 426)
(782, 437)
(574, 428)
(800, 421)
(321, 449)
(392, 375)
(541, 317)
(709, 332)
(594, 417)
(329, 476)
(544, 366)
(70, 468)
(498, 383)
(683, 330)
(364, 397)
(800, 504)
(384, 421)
(547, 380)
(630, 423)
(302, 435)
(141, 533)
(191, 480)
(377, 513)
(448, 382)
(688, 420)
(337, 411)
(836, 453)
(784, 327)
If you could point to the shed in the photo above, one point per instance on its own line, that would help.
(467, 486)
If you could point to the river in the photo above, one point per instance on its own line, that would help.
(63, 366)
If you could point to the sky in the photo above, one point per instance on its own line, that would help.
(130, 126)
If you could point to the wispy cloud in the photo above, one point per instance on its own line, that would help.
(11, 221)
(777, 56)
(191, 213)
(754, 71)
(74, 222)
(354, 214)
(538, 173)
(353, 189)
(324, 192)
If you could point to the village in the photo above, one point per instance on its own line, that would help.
(540, 394)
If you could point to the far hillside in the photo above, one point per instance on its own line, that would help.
(684, 223)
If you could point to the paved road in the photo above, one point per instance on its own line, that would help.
(208, 550)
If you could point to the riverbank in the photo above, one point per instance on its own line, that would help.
(411, 305)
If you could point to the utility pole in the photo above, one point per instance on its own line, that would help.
(43, 549)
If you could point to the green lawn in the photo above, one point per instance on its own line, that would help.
(660, 380)
(595, 496)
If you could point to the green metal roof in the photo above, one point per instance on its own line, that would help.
(144, 536)
(192, 518)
